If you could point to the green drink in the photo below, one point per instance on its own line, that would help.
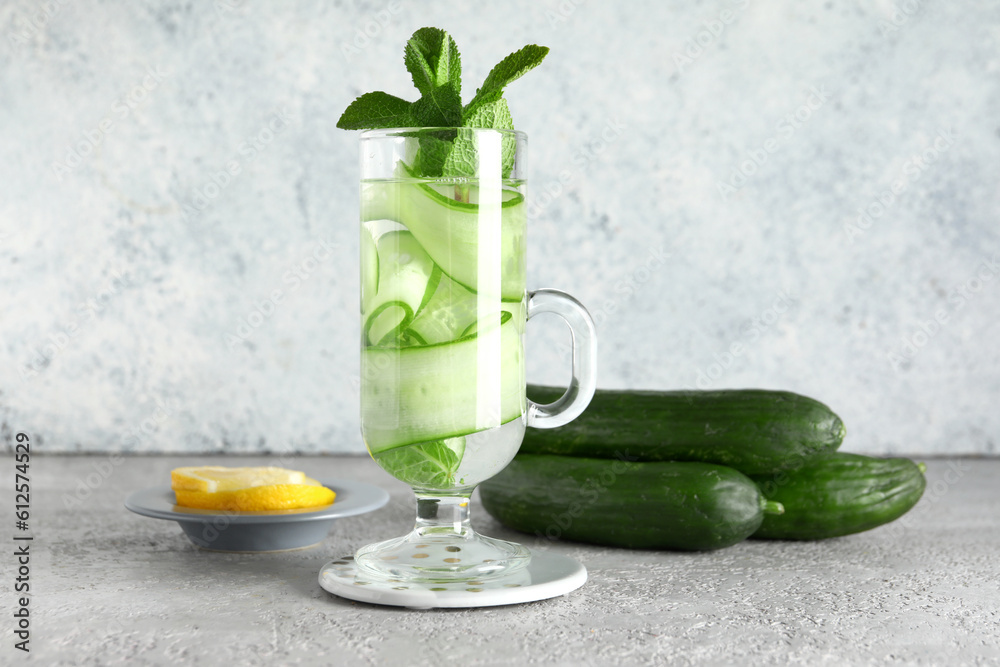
(443, 311)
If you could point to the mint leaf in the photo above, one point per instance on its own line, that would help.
(433, 154)
(442, 108)
(433, 60)
(376, 110)
(431, 465)
(513, 67)
(463, 160)
(493, 114)
(507, 70)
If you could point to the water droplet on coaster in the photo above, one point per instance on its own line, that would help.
(453, 549)
(453, 560)
(421, 555)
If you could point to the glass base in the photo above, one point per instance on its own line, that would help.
(426, 557)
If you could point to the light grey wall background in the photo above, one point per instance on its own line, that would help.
(780, 194)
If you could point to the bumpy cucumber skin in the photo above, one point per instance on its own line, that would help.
(756, 431)
(839, 494)
(660, 505)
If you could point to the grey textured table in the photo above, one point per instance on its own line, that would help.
(112, 587)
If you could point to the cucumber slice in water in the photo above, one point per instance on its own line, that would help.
(387, 322)
(413, 395)
(405, 280)
(452, 232)
(450, 311)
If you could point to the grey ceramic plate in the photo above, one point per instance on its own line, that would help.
(260, 531)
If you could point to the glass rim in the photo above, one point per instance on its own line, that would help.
(402, 132)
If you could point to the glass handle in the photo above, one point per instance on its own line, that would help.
(584, 380)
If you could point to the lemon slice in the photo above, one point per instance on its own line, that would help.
(220, 478)
(247, 489)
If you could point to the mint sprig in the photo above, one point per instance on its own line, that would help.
(433, 60)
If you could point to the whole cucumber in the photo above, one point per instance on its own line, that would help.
(839, 494)
(756, 431)
(659, 505)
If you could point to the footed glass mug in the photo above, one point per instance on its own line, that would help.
(443, 311)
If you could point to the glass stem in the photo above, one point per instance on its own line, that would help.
(443, 515)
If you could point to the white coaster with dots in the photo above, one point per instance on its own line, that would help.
(547, 575)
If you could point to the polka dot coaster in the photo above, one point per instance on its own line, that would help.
(547, 575)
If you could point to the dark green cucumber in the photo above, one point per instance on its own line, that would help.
(839, 494)
(756, 431)
(661, 505)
